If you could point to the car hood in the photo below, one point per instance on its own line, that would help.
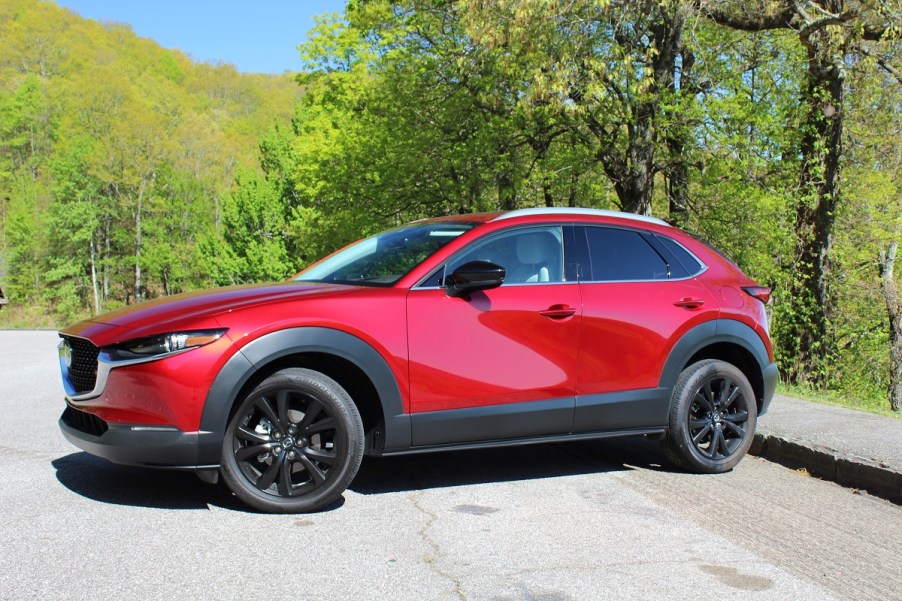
(192, 310)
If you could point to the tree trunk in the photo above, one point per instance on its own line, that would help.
(573, 189)
(139, 236)
(804, 336)
(107, 254)
(821, 148)
(507, 192)
(139, 239)
(546, 192)
(678, 138)
(94, 285)
(894, 310)
(633, 174)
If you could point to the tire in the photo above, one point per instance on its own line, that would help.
(294, 444)
(712, 419)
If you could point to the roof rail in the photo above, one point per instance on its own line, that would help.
(579, 211)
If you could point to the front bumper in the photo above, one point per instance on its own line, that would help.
(145, 446)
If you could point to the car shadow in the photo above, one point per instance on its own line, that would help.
(379, 475)
(105, 482)
(100, 480)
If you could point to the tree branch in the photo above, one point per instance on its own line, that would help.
(745, 18)
(884, 64)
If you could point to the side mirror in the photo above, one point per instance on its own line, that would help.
(472, 276)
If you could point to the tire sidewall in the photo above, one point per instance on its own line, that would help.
(349, 431)
(679, 439)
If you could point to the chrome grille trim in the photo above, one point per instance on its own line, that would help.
(79, 365)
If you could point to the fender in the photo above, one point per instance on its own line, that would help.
(256, 354)
(712, 332)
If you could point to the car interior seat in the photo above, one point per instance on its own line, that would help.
(539, 255)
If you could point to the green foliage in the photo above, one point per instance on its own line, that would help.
(251, 247)
(115, 158)
(149, 184)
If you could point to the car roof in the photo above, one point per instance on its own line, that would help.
(565, 212)
(569, 211)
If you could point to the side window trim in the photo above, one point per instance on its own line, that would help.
(426, 282)
(692, 271)
(581, 241)
(649, 239)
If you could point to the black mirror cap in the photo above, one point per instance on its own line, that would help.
(475, 275)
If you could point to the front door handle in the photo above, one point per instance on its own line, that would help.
(558, 311)
(688, 302)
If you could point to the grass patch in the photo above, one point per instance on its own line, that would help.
(27, 317)
(838, 399)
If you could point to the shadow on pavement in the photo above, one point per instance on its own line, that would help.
(379, 475)
(102, 481)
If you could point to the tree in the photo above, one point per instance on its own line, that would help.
(829, 30)
(252, 246)
(887, 260)
(114, 154)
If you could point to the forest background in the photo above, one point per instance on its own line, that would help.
(771, 128)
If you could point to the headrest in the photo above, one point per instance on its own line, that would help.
(537, 247)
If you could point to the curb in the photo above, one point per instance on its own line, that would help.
(879, 479)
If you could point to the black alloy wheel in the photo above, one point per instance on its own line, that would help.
(712, 418)
(294, 444)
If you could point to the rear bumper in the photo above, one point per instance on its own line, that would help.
(770, 376)
(145, 446)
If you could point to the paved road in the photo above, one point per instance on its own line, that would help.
(596, 520)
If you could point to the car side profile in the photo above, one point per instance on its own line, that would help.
(460, 332)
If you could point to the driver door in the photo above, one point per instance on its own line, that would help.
(500, 363)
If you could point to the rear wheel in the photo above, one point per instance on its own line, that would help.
(712, 418)
(294, 444)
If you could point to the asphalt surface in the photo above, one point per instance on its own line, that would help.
(598, 520)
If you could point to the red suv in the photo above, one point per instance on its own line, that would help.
(454, 333)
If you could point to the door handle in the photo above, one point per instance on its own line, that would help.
(558, 311)
(688, 302)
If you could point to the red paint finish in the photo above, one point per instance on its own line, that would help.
(512, 344)
(168, 392)
(495, 347)
(629, 329)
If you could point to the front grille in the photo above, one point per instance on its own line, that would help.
(84, 422)
(83, 371)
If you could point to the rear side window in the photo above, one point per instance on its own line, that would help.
(686, 264)
(618, 255)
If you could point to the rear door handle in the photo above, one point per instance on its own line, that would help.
(558, 311)
(689, 303)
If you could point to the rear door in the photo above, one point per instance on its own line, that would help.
(638, 299)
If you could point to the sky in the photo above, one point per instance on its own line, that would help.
(258, 36)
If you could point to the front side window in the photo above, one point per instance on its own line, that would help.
(529, 255)
(385, 258)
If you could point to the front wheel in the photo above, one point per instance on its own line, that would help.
(712, 418)
(294, 444)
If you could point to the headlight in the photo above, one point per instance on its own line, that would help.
(155, 346)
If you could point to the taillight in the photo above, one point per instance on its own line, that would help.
(762, 293)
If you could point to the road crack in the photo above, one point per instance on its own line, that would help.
(433, 559)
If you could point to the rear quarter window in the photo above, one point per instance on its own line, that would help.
(686, 264)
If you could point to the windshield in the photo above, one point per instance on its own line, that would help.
(385, 258)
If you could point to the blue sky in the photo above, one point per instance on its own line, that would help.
(257, 37)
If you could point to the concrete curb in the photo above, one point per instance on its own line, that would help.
(877, 478)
